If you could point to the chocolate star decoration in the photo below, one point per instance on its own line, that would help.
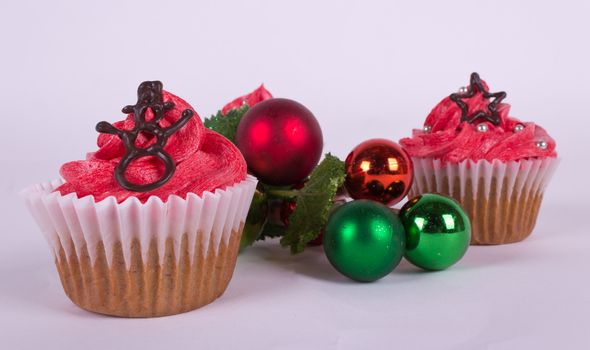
(149, 95)
(476, 86)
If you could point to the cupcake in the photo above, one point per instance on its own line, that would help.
(495, 165)
(258, 95)
(150, 223)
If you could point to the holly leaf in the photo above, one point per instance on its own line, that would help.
(271, 230)
(227, 124)
(313, 204)
(255, 220)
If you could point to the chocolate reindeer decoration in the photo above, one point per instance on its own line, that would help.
(475, 86)
(149, 95)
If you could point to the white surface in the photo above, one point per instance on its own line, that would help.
(366, 69)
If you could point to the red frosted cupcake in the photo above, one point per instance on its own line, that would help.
(150, 223)
(496, 166)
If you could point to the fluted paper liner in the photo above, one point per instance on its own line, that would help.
(502, 199)
(134, 259)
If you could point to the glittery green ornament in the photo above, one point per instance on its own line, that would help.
(364, 240)
(437, 231)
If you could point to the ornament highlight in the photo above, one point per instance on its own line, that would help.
(281, 141)
(378, 170)
(364, 240)
(437, 229)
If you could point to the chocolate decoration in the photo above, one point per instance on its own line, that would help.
(149, 95)
(475, 86)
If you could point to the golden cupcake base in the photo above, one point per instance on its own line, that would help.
(148, 288)
(496, 218)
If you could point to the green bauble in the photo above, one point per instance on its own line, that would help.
(437, 231)
(364, 240)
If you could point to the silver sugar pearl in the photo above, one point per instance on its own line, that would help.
(482, 127)
(541, 144)
(427, 128)
(462, 90)
(518, 128)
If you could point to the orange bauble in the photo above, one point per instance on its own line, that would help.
(380, 170)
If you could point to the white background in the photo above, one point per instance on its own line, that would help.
(366, 69)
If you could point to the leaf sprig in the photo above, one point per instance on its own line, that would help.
(227, 124)
(313, 204)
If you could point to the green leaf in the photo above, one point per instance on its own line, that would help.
(227, 124)
(271, 230)
(313, 204)
(250, 234)
(255, 220)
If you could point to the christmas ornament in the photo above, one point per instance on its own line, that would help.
(364, 240)
(437, 231)
(281, 141)
(379, 170)
(297, 213)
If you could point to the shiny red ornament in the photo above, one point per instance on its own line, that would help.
(281, 141)
(380, 170)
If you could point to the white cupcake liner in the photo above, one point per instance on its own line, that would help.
(523, 176)
(210, 218)
(502, 199)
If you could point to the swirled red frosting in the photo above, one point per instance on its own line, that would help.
(205, 161)
(256, 96)
(453, 140)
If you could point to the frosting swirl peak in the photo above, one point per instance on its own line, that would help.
(479, 129)
(204, 160)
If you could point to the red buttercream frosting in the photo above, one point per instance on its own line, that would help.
(205, 161)
(453, 140)
(256, 96)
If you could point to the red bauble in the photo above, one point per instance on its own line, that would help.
(379, 170)
(281, 141)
